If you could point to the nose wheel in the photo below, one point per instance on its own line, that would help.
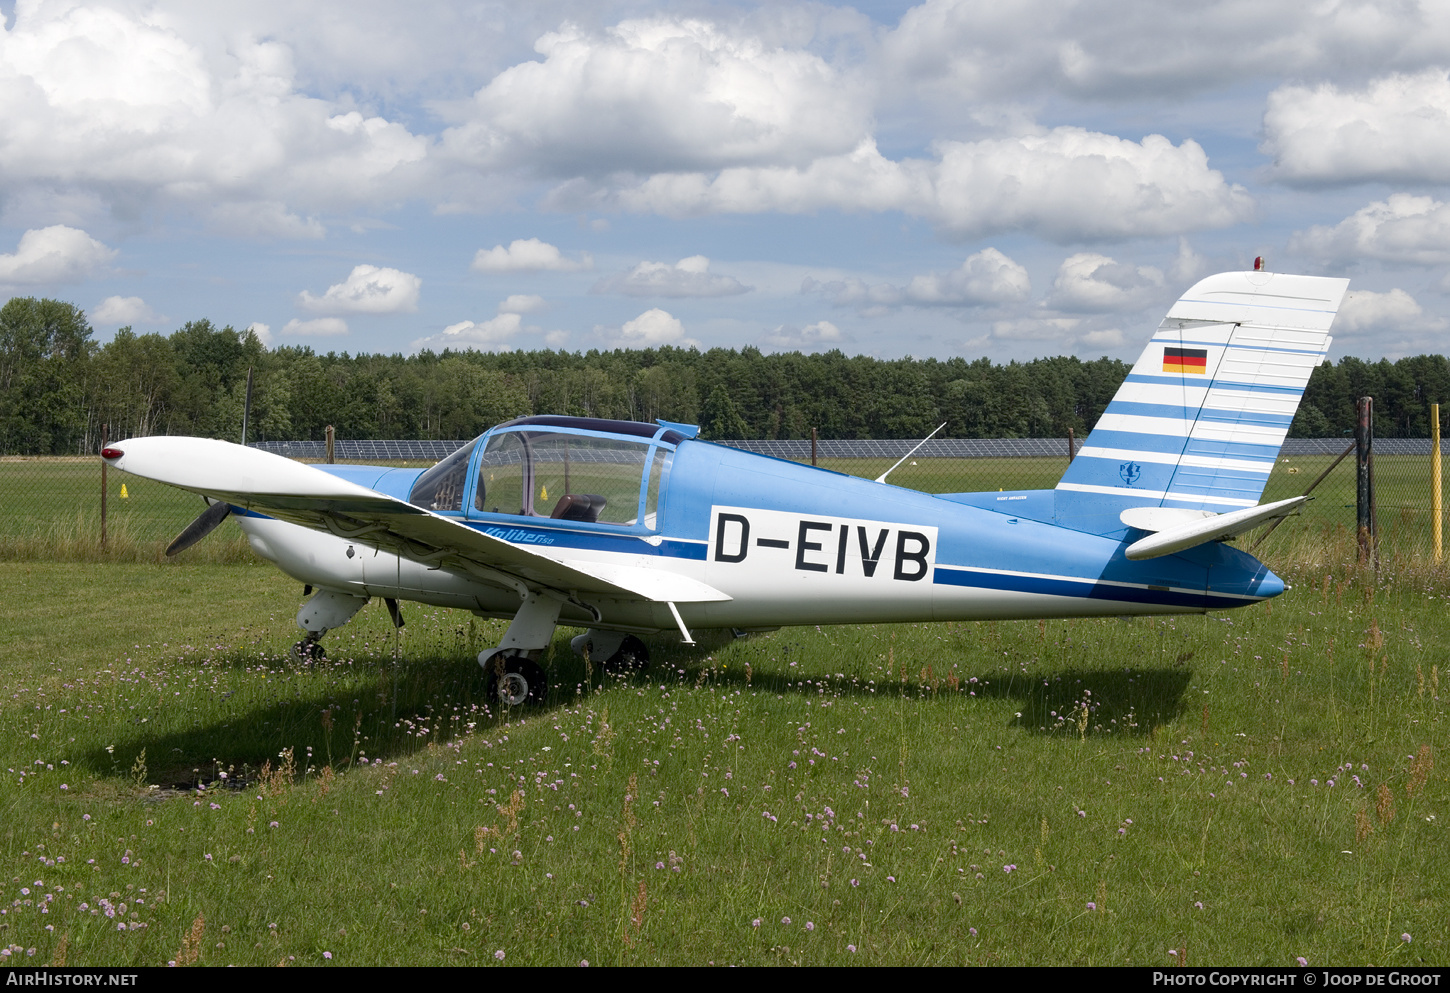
(515, 681)
(308, 650)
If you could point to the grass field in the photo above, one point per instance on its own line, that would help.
(1251, 787)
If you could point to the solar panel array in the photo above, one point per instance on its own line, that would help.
(389, 450)
(937, 448)
(800, 451)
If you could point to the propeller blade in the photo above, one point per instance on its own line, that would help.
(200, 528)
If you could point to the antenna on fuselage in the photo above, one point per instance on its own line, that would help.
(882, 478)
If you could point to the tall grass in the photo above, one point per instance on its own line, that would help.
(78, 539)
(1312, 549)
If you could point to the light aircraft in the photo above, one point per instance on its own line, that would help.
(628, 529)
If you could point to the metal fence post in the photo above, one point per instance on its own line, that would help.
(1436, 512)
(1364, 476)
(813, 446)
(105, 440)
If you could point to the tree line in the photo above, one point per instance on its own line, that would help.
(58, 387)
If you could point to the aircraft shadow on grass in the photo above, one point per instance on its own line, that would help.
(406, 706)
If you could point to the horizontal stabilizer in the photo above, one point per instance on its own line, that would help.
(1197, 532)
(1163, 518)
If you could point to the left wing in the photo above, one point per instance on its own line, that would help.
(299, 494)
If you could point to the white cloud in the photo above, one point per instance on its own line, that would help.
(136, 103)
(651, 329)
(485, 336)
(57, 254)
(263, 333)
(1051, 335)
(1394, 312)
(266, 219)
(1067, 184)
(689, 277)
(871, 299)
(1395, 129)
(317, 327)
(811, 338)
(1107, 338)
(1036, 329)
(1091, 283)
(1188, 266)
(1404, 228)
(984, 278)
(368, 289)
(124, 310)
(659, 94)
(966, 52)
(987, 277)
(526, 255)
(521, 303)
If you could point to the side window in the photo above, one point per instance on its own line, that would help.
(501, 475)
(659, 477)
(564, 476)
(579, 478)
(441, 487)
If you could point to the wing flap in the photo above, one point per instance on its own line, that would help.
(299, 494)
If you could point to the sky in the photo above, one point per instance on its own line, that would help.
(950, 178)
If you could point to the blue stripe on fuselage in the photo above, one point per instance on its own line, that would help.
(1081, 589)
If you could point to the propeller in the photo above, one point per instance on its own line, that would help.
(200, 528)
(217, 512)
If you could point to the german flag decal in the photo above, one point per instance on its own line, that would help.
(1186, 360)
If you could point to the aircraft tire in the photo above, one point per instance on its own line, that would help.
(632, 656)
(522, 683)
(308, 651)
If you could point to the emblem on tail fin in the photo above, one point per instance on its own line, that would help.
(1189, 360)
(1130, 472)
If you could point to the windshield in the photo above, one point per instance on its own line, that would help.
(441, 487)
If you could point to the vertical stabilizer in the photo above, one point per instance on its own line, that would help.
(1200, 419)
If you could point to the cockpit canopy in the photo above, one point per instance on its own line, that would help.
(564, 468)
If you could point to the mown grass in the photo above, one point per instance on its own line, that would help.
(1249, 787)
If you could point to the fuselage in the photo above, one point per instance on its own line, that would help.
(788, 543)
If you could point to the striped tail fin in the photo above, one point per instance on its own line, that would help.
(1200, 419)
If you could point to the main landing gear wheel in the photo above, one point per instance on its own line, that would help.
(308, 651)
(521, 681)
(631, 656)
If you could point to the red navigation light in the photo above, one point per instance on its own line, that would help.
(1259, 264)
(111, 453)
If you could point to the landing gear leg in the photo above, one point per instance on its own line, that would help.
(514, 678)
(309, 649)
(319, 615)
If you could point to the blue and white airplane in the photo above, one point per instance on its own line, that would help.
(628, 529)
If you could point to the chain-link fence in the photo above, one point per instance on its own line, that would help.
(51, 508)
